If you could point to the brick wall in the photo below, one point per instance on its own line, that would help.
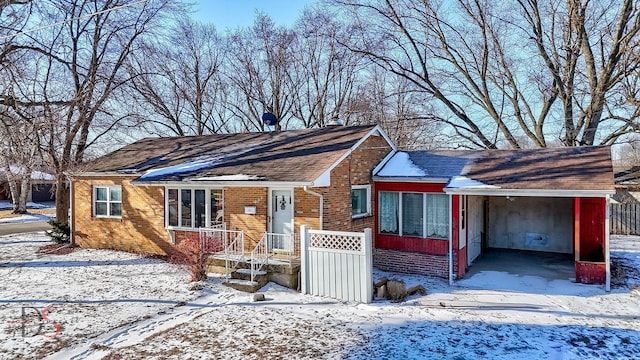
(235, 199)
(411, 262)
(355, 169)
(141, 228)
(306, 210)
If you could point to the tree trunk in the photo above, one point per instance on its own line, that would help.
(62, 199)
(20, 203)
(13, 189)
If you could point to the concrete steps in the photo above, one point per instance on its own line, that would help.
(277, 272)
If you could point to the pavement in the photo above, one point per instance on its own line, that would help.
(17, 228)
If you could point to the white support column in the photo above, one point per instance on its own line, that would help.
(368, 253)
(450, 239)
(304, 271)
(607, 255)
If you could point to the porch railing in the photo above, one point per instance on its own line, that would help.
(259, 256)
(221, 241)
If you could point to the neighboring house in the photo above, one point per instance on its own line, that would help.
(550, 200)
(627, 182)
(141, 196)
(42, 185)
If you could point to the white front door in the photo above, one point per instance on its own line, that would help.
(281, 214)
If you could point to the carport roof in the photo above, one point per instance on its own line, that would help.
(553, 171)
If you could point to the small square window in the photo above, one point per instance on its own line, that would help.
(107, 201)
(360, 201)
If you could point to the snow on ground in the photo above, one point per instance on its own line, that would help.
(27, 218)
(5, 204)
(114, 305)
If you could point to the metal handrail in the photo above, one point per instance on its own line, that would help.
(259, 256)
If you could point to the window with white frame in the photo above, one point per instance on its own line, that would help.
(193, 208)
(360, 200)
(107, 201)
(413, 214)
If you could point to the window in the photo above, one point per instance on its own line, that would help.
(193, 208)
(360, 201)
(107, 201)
(389, 213)
(414, 214)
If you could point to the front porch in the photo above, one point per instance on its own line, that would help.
(275, 258)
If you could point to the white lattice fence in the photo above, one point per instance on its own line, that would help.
(337, 264)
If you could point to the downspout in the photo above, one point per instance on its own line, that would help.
(450, 239)
(71, 214)
(306, 189)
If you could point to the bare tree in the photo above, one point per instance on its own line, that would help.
(260, 73)
(325, 70)
(501, 73)
(75, 71)
(178, 81)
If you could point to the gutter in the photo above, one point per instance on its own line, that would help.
(306, 189)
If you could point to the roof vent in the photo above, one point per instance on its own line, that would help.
(334, 122)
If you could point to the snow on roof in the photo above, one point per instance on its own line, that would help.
(400, 165)
(464, 182)
(35, 174)
(237, 177)
(194, 165)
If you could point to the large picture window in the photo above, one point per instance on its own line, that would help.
(107, 201)
(193, 208)
(421, 215)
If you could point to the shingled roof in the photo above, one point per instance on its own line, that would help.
(548, 169)
(288, 156)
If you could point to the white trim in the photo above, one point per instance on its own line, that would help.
(367, 187)
(383, 162)
(324, 176)
(529, 192)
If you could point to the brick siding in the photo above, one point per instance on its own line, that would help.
(141, 228)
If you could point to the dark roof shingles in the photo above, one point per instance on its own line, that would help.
(295, 155)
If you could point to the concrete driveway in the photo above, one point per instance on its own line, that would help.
(7, 229)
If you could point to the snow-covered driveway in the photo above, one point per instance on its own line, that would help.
(115, 305)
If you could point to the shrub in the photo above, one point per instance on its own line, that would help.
(60, 232)
(187, 252)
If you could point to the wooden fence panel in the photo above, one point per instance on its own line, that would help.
(625, 219)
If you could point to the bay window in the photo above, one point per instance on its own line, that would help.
(414, 214)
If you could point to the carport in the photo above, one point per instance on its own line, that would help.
(534, 208)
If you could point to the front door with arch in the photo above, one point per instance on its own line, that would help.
(281, 215)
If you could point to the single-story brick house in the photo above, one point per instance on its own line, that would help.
(138, 197)
(438, 211)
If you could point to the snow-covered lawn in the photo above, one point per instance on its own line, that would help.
(45, 212)
(114, 305)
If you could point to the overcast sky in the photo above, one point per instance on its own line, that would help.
(241, 13)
